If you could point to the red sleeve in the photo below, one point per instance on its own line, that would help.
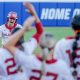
(39, 30)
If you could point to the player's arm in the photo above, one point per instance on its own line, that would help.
(39, 30)
(10, 44)
(25, 60)
(38, 24)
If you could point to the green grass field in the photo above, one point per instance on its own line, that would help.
(58, 32)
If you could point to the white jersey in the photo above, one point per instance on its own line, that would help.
(9, 70)
(33, 64)
(5, 32)
(63, 51)
(26, 59)
(30, 46)
(57, 70)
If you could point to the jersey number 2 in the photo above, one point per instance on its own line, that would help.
(10, 66)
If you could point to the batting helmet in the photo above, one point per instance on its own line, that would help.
(12, 15)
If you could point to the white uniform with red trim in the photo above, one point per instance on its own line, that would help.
(63, 50)
(54, 70)
(57, 70)
(26, 59)
(32, 64)
(9, 69)
(5, 32)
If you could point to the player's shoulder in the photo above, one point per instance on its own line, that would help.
(2, 26)
(19, 26)
(66, 40)
(31, 40)
(70, 37)
(60, 61)
(3, 53)
(62, 64)
(3, 50)
(61, 42)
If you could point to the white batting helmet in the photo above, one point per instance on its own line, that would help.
(12, 15)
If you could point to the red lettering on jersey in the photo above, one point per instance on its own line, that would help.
(48, 74)
(54, 75)
(10, 66)
(34, 77)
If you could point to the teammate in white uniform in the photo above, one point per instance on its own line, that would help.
(34, 67)
(68, 49)
(6, 29)
(9, 69)
(53, 69)
(56, 69)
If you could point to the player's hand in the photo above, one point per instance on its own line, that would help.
(30, 8)
(28, 22)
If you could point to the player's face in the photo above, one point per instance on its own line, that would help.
(12, 20)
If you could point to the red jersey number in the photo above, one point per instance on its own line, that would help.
(10, 66)
(53, 75)
(35, 72)
(49, 74)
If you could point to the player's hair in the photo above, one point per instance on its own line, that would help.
(48, 41)
(74, 47)
(75, 26)
(76, 22)
(44, 54)
(21, 40)
(74, 55)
